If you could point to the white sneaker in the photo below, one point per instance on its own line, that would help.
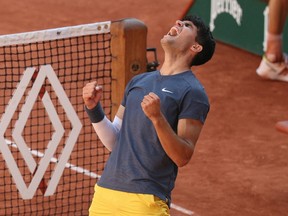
(282, 126)
(269, 70)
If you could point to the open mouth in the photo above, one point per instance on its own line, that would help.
(173, 32)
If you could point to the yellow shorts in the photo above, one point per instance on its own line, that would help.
(118, 203)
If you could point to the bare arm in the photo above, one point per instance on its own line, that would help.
(179, 147)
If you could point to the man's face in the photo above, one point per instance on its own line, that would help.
(182, 34)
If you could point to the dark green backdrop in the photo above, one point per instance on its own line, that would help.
(249, 35)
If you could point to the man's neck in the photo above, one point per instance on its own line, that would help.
(175, 63)
(169, 68)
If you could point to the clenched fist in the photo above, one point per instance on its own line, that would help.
(151, 106)
(91, 94)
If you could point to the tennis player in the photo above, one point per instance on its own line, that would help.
(156, 127)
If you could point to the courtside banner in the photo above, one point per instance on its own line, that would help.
(240, 23)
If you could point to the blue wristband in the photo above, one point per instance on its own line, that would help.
(96, 114)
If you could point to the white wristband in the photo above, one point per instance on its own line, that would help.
(108, 131)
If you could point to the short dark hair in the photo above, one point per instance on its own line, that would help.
(204, 38)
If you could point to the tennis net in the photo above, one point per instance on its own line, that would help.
(51, 157)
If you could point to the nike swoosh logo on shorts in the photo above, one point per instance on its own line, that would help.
(166, 90)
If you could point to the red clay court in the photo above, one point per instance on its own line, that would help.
(240, 165)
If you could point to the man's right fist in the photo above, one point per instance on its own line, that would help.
(91, 94)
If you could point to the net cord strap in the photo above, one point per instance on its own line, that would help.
(56, 33)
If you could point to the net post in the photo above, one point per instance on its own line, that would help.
(128, 49)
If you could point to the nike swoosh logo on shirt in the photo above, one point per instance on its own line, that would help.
(166, 90)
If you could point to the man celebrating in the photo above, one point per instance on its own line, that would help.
(156, 127)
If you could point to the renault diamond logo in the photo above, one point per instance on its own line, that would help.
(38, 169)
